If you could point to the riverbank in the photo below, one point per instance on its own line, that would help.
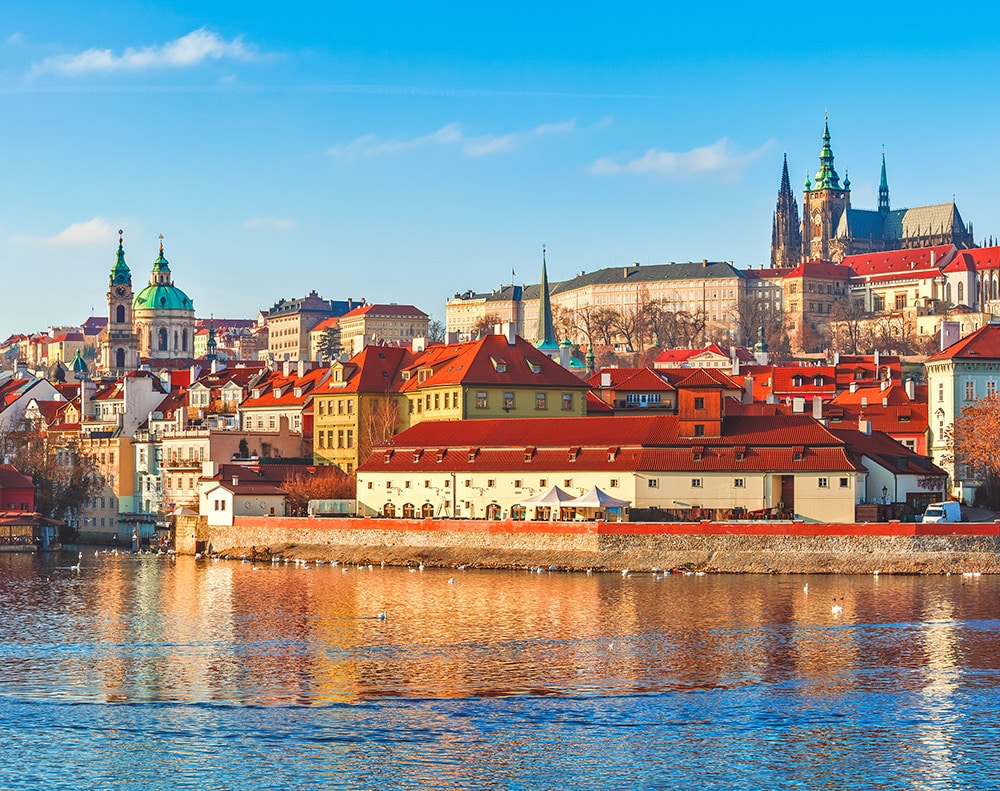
(789, 547)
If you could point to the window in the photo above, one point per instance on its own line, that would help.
(699, 430)
(340, 438)
(447, 400)
(970, 391)
(508, 402)
(481, 399)
(567, 401)
(699, 403)
(940, 391)
(568, 482)
(696, 483)
(739, 483)
(539, 400)
(845, 483)
(517, 483)
(491, 483)
(900, 301)
(991, 388)
(613, 484)
(542, 482)
(823, 483)
(653, 483)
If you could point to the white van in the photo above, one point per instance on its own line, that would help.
(949, 511)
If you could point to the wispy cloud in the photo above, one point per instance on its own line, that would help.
(720, 158)
(371, 145)
(92, 232)
(196, 47)
(270, 224)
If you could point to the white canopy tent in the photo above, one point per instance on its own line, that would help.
(548, 505)
(597, 500)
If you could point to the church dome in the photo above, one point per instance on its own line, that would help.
(157, 297)
(161, 293)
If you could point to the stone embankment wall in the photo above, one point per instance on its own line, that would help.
(763, 547)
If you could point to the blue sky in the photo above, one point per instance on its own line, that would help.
(402, 152)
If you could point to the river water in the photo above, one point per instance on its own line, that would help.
(142, 672)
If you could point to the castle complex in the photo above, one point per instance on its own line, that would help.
(830, 229)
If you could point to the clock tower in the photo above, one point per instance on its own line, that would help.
(120, 349)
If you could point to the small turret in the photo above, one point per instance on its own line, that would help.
(883, 191)
(120, 273)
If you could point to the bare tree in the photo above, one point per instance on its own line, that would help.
(850, 327)
(379, 423)
(485, 325)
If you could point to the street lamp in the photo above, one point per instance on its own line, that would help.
(885, 495)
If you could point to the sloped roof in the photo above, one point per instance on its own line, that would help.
(894, 262)
(983, 344)
(12, 478)
(630, 379)
(984, 258)
(923, 220)
(390, 310)
(824, 270)
(286, 385)
(492, 361)
(885, 451)
(375, 369)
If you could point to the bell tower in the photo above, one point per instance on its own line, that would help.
(120, 349)
(823, 204)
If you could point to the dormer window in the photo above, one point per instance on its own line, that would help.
(529, 454)
(613, 453)
(817, 381)
(697, 452)
(499, 365)
(277, 392)
(797, 381)
(798, 453)
(574, 452)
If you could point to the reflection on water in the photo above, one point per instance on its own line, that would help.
(495, 680)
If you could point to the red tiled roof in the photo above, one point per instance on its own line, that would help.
(893, 263)
(386, 310)
(820, 269)
(643, 443)
(286, 385)
(12, 478)
(375, 369)
(630, 379)
(984, 258)
(983, 344)
(326, 324)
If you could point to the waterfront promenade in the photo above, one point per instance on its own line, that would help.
(730, 547)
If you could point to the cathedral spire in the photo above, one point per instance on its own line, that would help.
(826, 176)
(546, 329)
(883, 190)
(786, 235)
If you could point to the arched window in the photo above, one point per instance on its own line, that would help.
(493, 511)
(389, 510)
(162, 346)
(120, 314)
(184, 340)
(409, 511)
(427, 511)
(543, 513)
(961, 293)
(518, 513)
(175, 341)
(120, 358)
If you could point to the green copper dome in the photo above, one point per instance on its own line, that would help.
(161, 293)
(156, 297)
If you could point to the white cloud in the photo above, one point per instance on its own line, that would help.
(92, 232)
(370, 145)
(719, 158)
(270, 224)
(190, 50)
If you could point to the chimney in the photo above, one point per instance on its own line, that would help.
(798, 405)
(605, 380)
(911, 389)
(507, 330)
(854, 387)
(817, 408)
(883, 385)
(748, 390)
(736, 364)
(286, 368)
(301, 369)
(564, 356)
(876, 358)
(865, 427)
(704, 263)
(836, 358)
(932, 258)
(417, 345)
(885, 402)
(864, 401)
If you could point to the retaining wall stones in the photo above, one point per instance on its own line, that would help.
(890, 548)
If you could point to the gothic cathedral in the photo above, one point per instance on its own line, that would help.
(831, 230)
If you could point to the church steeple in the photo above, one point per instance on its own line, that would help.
(826, 176)
(786, 234)
(546, 329)
(883, 190)
(120, 273)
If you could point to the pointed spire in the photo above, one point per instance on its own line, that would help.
(546, 330)
(883, 190)
(120, 273)
(826, 176)
(786, 233)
